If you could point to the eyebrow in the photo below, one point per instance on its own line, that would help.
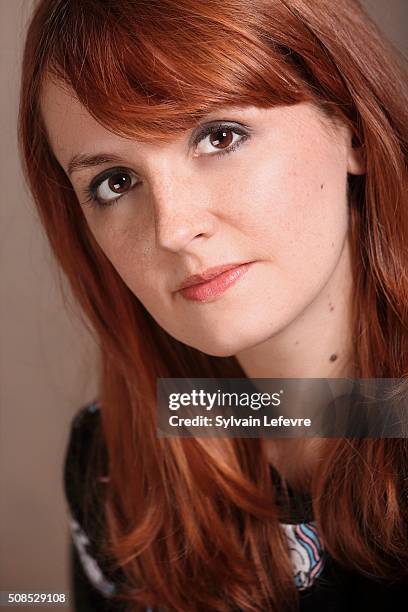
(81, 161)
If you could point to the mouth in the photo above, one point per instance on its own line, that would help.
(207, 275)
(213, 282)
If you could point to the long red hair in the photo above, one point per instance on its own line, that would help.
(192, 523)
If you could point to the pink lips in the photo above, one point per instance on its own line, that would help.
(217, 283)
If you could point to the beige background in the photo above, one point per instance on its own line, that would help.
(46, 357)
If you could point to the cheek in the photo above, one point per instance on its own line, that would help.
(297, 207)
(124, 244)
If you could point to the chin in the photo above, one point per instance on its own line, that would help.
(227, 345)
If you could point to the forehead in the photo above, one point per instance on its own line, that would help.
(70, 127)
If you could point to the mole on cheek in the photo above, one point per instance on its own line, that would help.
(321, 186)
(333, 357)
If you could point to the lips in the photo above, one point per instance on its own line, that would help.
(196, 279)
(216, 285)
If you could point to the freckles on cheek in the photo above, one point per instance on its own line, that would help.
(132, 260)
(119, 247)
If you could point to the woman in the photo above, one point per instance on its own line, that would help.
(176, 138)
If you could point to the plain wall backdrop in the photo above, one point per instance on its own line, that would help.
(47, 357)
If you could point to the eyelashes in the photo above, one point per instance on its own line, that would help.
(117, 180)
(115, 173)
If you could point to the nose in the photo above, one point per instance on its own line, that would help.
(182, 210)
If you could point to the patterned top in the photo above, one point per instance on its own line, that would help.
(321, 583)
(306, 551)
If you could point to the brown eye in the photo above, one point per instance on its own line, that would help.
(218, 140)
(119, 182)
(221, 138)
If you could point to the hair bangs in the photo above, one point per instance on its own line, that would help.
(149, 72)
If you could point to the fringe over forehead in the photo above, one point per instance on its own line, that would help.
(151, 69)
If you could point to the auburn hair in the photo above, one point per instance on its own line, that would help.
(192, 523)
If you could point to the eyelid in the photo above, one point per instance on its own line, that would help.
(99, 178)
(208, 128)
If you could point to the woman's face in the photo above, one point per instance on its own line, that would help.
(269, 187)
